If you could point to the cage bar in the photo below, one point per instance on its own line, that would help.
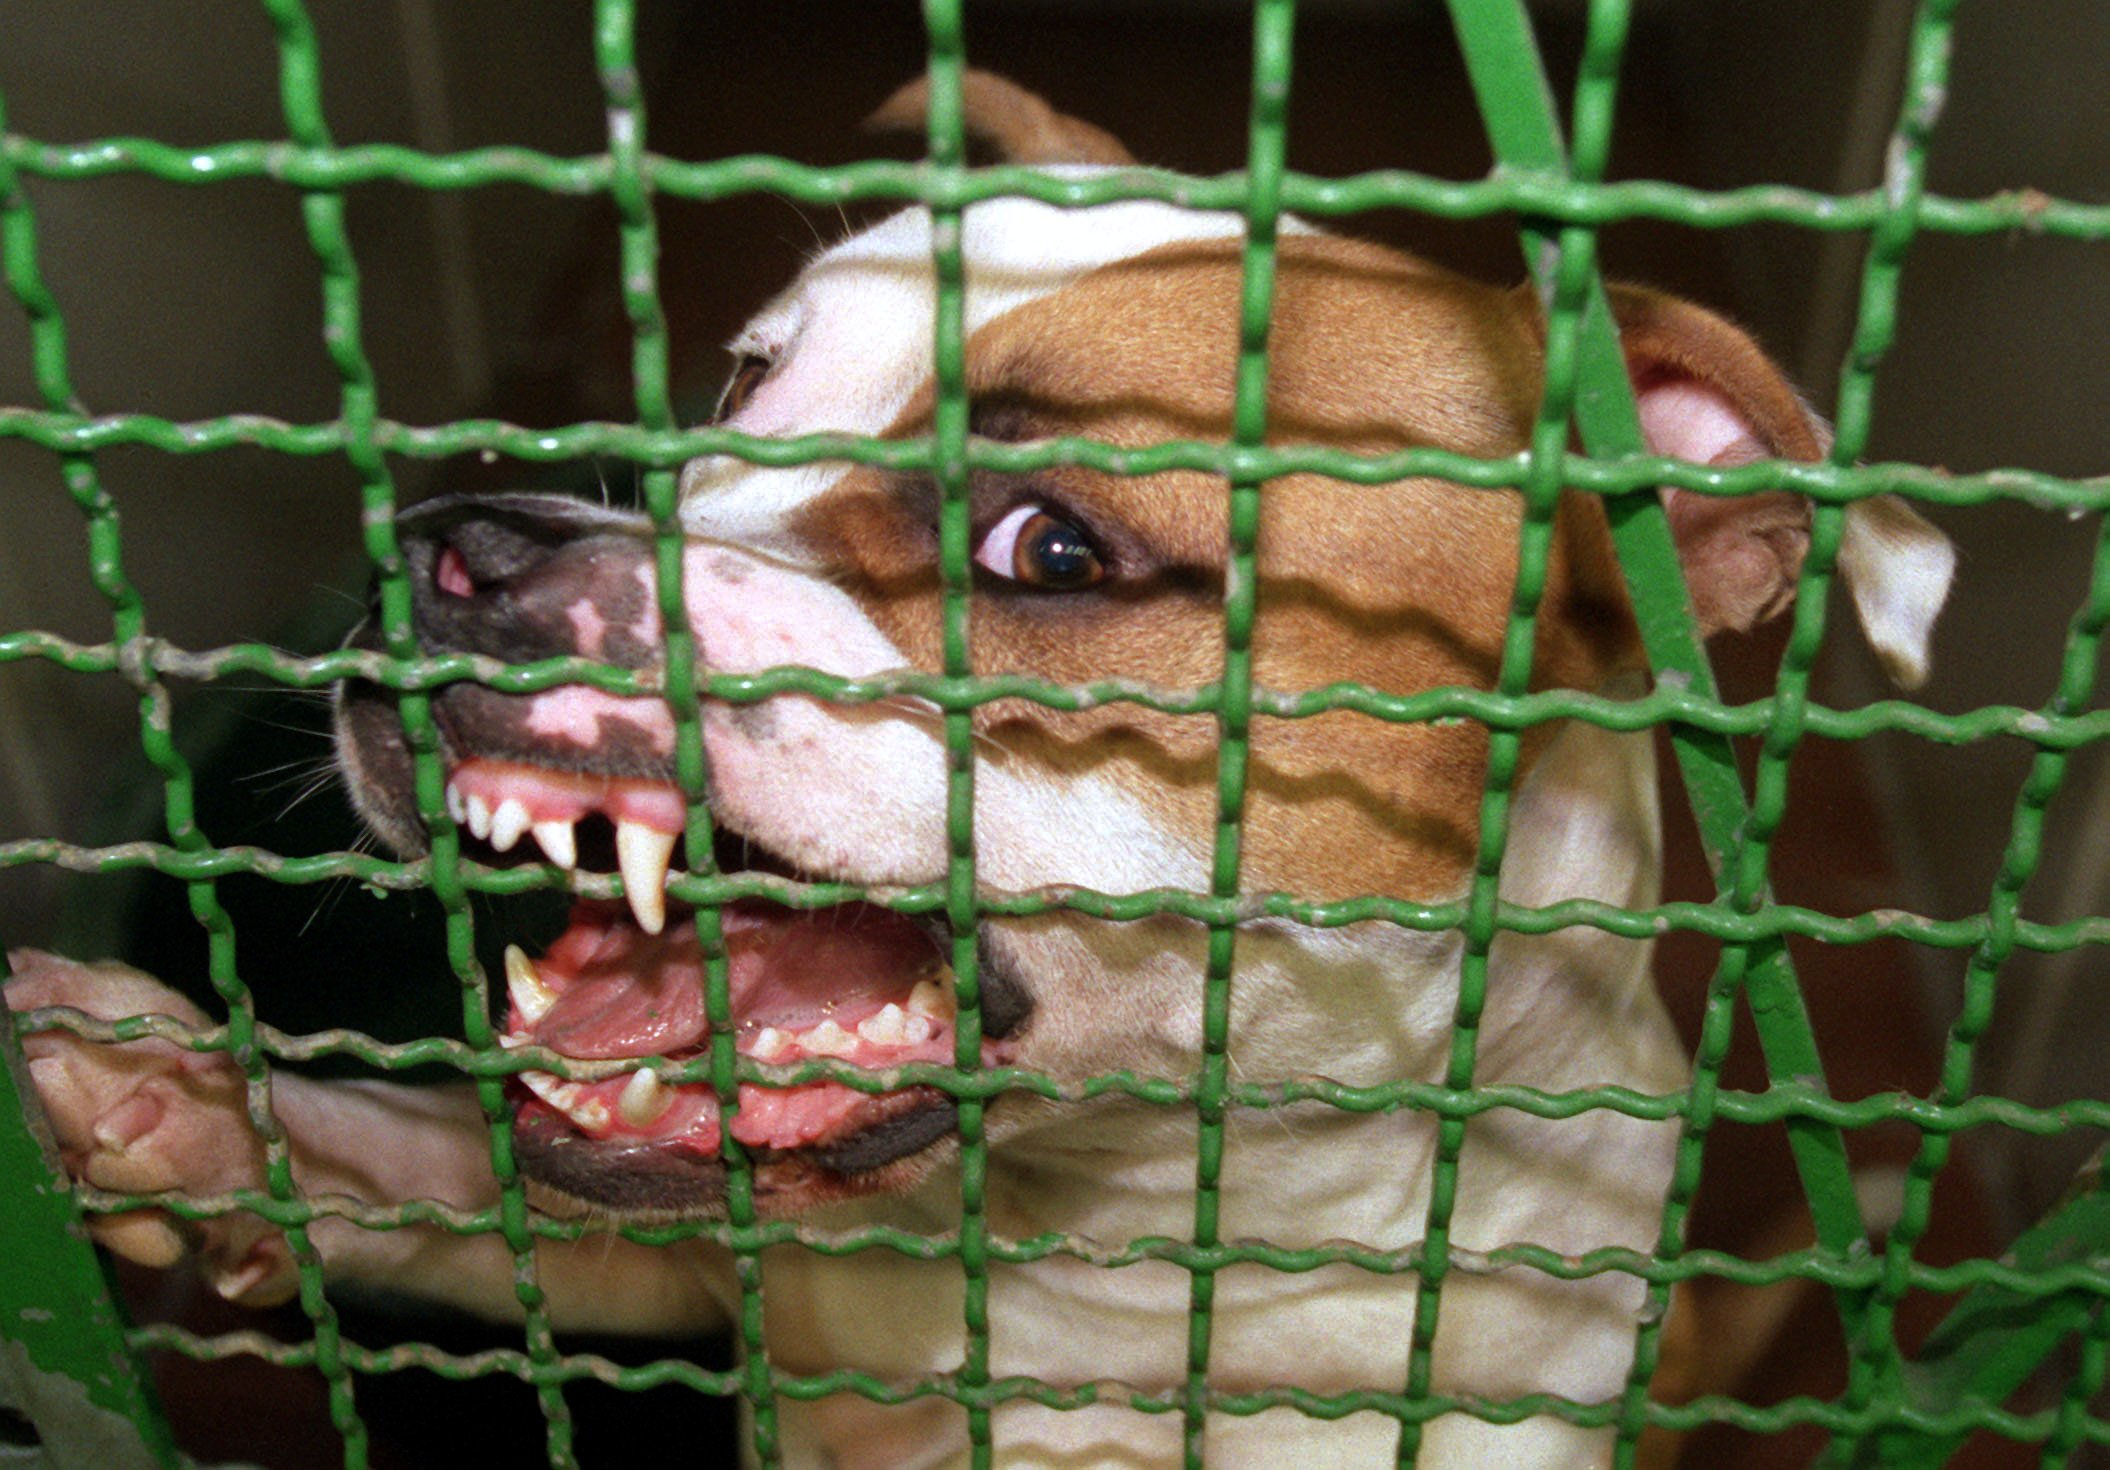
(2050, 1289)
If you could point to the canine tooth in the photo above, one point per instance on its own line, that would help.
(829, 1040)
(457, 805)
(916, 1030)
(479, 816)
(507, 823)
(644, 1100)
(557, 842)
(887, 1028)
(770, 1043)
(531, 996)
(929, 998)
(641, 853)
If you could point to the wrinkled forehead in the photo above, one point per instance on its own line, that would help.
(851, 341)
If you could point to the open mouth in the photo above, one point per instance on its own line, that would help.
(854, 982)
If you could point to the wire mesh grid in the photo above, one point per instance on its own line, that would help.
(1892, 1410)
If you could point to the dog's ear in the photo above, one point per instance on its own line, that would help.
(1708, 394)
(1016, 123)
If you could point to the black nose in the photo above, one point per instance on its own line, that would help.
(526, 577)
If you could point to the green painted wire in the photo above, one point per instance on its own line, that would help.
(364, 438)
(1665, 705)
(1749, 887)
(1877, 1365)
(2038, 1283)
(2089, 1374)
(946, 144)
(128, 618)
(1701, 1412)
(66, 431)
(1266, 154)
(1875, 332)
(1779, 1102)
(1574, 276)
(324, 212)
(631, 185)
(1507, 191)
(2044, 1284)
(1775, 921)
(1877, 1359)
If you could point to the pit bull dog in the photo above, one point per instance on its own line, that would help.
(1117, 323)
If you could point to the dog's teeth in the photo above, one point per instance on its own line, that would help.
(931, 999)
(644, 1100)
(916, 1030)
(530, 995)
(642, 854)
(507, 823)
(568, 1098)
(457, 805)
(828, 1040)
(769, 1044)
(479, 814)
(887, 1028)
(557, 842)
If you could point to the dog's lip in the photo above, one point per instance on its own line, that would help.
(555, 800)
(648, 1182)
(515, 806)
(871, 1003)
(803, 986)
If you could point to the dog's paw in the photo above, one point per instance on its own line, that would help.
(149, 1116)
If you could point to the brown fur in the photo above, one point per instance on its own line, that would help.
(1016, 123)
(1371, 351)
(1741, 556)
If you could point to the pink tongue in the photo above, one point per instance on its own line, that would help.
(622, 992)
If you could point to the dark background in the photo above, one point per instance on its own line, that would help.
(196, 302)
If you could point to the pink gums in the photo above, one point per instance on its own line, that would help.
(562, 796)
(620, 992)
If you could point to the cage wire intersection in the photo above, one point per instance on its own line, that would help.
(1892, 1411)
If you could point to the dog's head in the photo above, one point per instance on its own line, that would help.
(1119, 324)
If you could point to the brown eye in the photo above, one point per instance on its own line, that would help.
(747, 377)
(1041, 549)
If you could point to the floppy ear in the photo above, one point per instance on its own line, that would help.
(1016, 123)
(1706, 393)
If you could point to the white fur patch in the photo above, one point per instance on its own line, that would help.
(1898, 568)
(852, 339)
(849, 343)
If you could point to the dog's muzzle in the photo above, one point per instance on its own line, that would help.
(585, 780)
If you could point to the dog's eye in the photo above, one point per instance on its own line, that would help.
(746, 378)
(1034, 546)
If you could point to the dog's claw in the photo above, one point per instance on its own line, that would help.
(128, 1122)
(263, 1278)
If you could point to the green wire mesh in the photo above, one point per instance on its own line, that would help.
(2013, 1313)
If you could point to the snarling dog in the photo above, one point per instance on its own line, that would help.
(1119, 324)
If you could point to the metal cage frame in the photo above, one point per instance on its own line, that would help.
(2048, 1289)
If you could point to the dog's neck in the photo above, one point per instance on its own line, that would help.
(1368, 1005)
